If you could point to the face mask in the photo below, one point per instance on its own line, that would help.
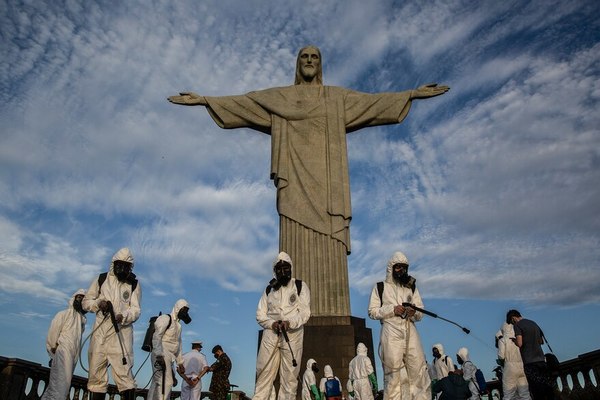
(283, 273)
(122, 270)
(459, 360)
(216, 356)
(184, 316)
(315, 368)
(401, 276)
(78, 307)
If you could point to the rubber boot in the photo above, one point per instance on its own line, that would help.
(97, 396)
(128, 394)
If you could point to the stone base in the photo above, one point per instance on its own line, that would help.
(333, 341)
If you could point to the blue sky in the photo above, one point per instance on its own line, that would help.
(491, 190)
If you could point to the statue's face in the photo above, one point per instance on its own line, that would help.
(310, 63)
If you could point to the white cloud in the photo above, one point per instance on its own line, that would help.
(94, 154)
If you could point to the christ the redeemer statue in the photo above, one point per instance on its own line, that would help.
(308, 123)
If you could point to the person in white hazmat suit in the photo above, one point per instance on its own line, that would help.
(514, 382)
(166, 350)
(399, 342)
(284, 305)
(468, 371)
(309, 381)
(362, 374)
(328, 375)
(442, 363)
(63, 343)
(119, 291)
(195, 367)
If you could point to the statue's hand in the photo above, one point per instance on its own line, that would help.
(188, 99)
(429, 90)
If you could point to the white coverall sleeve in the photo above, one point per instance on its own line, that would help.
(179, 355)
(54, 332)
(418, 302)
(92, 297)
(376, 309)
(322, 385)
(160, 327)
(303, 314)
(261, 313)
(133, 312)
(502, 349)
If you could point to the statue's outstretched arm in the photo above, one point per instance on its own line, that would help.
(429, 90)
(188, 99)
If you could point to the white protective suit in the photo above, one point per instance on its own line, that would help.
(362, 375)
(514, 382)
(193, 361)
(442, 365)
(166, 342)
(309, 383)
(64, 337)
(284, 304)
(469, 370)
(399, 342)
(328, 374)
(104, 346)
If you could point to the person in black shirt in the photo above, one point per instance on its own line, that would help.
(529, 338)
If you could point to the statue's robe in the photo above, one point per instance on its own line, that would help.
(309, 166)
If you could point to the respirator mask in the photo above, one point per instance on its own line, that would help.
(184, 316)
(283, 274)
(122, 270)
(400, 273)
(77, 304)
(315, 368)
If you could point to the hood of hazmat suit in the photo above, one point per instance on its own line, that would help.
(397, 258)
(361, 350)
(283, 256)
(508, 331)
(463, 352)
(328, 371)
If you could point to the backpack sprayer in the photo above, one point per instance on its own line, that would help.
(287, 339)
(465, 330)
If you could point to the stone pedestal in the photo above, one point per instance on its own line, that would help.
(333, 341)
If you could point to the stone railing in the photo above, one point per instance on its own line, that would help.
(577, 379)
(25, 380)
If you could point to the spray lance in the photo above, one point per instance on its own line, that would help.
(287, 339)
(465, 330)
(115, 324)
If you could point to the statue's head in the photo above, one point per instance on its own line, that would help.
(309, 69)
